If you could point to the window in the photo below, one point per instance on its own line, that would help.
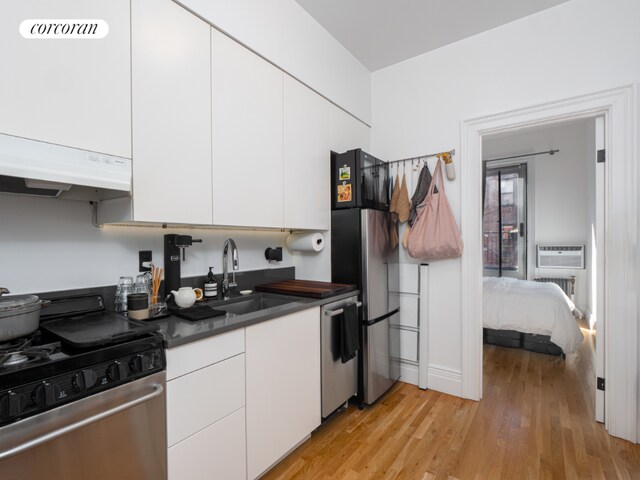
(504, 221)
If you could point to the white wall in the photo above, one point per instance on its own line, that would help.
(286, 35)
(578, 47)
(50, 244)
(562, 188)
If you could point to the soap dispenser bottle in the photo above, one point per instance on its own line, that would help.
(210, 285)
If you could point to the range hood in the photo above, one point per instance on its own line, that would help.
(30, 167)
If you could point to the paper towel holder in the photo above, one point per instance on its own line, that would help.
(273, 254)
(306, 242)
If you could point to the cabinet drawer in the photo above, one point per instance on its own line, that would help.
(409, 345)
(217, 452)
(201, 398)
(409, 310)
(193, 356)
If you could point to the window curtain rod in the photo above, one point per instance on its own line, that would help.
(548, 152)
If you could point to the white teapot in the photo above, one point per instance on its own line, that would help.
(186, 296)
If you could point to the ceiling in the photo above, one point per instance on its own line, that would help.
(380, 33)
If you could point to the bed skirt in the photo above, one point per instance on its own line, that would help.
(528, 341)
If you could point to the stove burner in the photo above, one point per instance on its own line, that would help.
(15, 345)
(14, 359)
(21, 352)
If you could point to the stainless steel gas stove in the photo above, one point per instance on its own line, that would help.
(87, 389)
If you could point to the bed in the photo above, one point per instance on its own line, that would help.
(533, 315)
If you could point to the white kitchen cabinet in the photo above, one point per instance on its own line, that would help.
(171, 94)
(75, 93)
(307, 182)
(247, 97)
(203, 397)
(206, 408)
(216, 452)
(347, 132)
(196, 355)
(283, 386)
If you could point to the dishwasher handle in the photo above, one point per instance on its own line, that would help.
(82, 423)
(333, 313)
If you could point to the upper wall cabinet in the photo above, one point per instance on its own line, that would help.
(307, 198)
(247, 136)
(68, 92)
(347, 132)
(171, 89)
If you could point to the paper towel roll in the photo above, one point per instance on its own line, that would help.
(305, 242)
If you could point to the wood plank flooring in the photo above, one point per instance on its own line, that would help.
(535, 421)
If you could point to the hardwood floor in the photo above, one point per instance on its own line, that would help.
(535, 421)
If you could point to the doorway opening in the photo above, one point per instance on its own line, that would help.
(618, 106)
(546, 203)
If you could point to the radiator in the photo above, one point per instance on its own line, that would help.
(568, 285)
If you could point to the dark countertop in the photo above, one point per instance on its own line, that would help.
(178, 331)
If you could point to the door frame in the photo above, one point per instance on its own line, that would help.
(619, 108)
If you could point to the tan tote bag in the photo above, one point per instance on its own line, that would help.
(435, 233)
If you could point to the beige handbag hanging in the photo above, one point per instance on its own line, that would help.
(403, 205)
(435, 233)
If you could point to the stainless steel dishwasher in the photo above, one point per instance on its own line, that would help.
(339, 380)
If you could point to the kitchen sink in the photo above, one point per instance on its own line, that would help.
(253, 304)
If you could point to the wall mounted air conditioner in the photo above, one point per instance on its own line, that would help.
(560, 256)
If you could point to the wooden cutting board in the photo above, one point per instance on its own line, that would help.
(305, 288)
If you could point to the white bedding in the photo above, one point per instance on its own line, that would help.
(531, 307)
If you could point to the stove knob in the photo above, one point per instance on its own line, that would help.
(117, 371)
(155, 360)
(140, 363)
(45, 394)
(11, 404)
(84, 379)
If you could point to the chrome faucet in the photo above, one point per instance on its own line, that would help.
(226, 286)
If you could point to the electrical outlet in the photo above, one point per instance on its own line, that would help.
(144, 260)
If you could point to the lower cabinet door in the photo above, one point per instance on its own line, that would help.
(283, 386)
(216, 452)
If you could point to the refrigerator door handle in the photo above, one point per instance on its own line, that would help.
(383, 317)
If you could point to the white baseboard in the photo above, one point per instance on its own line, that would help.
(440, 379)
(445, 380)
(409, 373)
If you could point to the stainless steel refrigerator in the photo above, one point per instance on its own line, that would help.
(362, 252)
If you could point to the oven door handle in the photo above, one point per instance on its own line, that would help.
(158, 389)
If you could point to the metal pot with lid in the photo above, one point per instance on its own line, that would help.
(19, 315)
